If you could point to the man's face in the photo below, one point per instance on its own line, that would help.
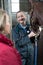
(21, 17)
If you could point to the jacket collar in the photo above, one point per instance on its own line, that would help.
(20, 26)
(5, 40)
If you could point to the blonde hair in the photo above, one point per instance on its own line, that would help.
(3, 20)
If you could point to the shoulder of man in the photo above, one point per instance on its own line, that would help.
(16, 28)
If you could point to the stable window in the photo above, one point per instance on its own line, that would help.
(15, 5)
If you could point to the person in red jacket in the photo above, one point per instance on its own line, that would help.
(8, 54)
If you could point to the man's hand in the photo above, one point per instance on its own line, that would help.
(31, 34)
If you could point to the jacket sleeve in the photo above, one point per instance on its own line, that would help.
(24, 41)
(15, 35)
(18, 37)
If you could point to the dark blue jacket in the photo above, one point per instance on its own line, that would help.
(23, 44)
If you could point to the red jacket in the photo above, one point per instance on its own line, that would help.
(8, 54)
